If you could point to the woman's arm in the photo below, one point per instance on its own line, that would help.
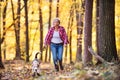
(65, 38)
(48, 37)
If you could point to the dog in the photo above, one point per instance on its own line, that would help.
(35, 66)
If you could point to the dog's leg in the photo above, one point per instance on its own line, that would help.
(38, 74)
(33, 74)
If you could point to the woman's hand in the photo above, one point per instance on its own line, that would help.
(65, 45)
(45, 46)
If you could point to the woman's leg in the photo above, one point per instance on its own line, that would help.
(60, 54)
(54, 54)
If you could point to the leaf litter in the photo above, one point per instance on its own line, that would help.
(19, 70)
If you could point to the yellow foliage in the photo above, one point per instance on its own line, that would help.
(33, 16)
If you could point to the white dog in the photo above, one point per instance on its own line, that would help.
(35, 66)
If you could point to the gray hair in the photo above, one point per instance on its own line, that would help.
(58, 19)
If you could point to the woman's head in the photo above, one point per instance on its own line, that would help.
(56, 22)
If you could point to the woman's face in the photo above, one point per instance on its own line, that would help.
(56, 23)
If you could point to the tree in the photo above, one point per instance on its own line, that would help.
(87, 57)
(27, 31)
(106, 30)
(79, 20)
(50, 16)
(18, 52)
(4, 28)
(4, 15)
(97, 25)
(70, 24)
(2, 38)
(41, 27)
(97, 21)
(49, 25)
(17, 29)
(1, 63)
(57, 10)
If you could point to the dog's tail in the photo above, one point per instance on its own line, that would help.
(37, 54)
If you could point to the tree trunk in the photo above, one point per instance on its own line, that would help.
(70, 24)
(4, 24)
(79, 37)
(66, 48)
(97, 26)
(66, 51)
(46, 54)
(27, 31)
(87, 57)
(41, 28)
(4, 50)
(57, 10)
(97, 22)
(79, 19)
(70, 45)
(17, 29)
(18, 52)
(1, 63)
(106, 30)
(50, 13)
(50, 16)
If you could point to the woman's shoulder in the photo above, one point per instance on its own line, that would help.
(51, 28)
(61, 27)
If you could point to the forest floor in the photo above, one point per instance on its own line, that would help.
(19, 70)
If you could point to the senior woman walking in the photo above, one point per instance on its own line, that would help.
(57, 39)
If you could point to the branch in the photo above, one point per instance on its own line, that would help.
(97, 56)
(4, 32)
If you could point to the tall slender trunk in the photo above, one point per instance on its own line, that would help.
(97, 26)
(50, 16)
(79, 37)
(2, 15)
(27, 31)
(1, 63)
(50, 13)
(18, 52)
(106, 30)
(79, 19)
(17, 29)
(87, 57)
(4, 24)
(57, 10)
(66, 48)
(70, 45)
(66, 51)
(46, 54)
(4, 51)
(97, 22)
(41, 27)
(70, 24)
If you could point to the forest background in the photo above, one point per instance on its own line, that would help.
(49, 11)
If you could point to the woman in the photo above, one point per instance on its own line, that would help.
(56, 38)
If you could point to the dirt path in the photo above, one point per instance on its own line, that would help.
(19, 70)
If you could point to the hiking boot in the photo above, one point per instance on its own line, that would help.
(56, 67)
(60, 63)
